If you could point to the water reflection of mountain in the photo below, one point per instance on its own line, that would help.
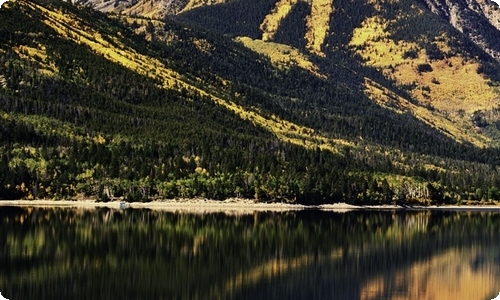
(110, 254)
(449, 275)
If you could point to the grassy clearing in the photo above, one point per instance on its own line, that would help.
(452, 84)
(453, 91)
(282, 56)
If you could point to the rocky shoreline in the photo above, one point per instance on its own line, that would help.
(230, 205)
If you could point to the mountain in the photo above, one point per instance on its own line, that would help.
(146, 8)
(478, 20)
(311, 102)
(390, 37)
(400, 40)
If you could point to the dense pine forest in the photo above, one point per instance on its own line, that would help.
(115, 107)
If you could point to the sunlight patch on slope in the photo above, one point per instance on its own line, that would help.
(271, 22)
(452, 84)
(318, 25)
(198, 3)
(286, 130)
(46, 124)
(282, 56)
(46, 67)
(373, 43)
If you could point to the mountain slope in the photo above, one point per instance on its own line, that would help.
(446, 75)
(126, 107)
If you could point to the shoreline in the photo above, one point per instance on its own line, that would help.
(200, 205)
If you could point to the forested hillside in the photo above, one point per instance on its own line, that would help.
(118, 106)
(407, 57)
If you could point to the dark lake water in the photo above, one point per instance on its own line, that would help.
(65, 253)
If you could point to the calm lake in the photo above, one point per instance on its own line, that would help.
(66, 253)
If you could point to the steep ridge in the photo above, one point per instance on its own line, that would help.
(155, 9)
(477, 19)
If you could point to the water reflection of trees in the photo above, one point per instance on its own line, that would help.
(109, 253)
